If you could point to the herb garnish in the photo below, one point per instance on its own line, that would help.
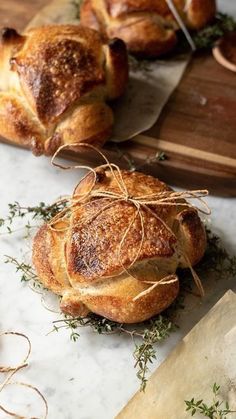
(145, 353)
(40, 212)
(77, 4)
(206, 37)
(147, 335)
(159, 156)
(216, 259)
(26, 270)
(218, 410)
(203, 39)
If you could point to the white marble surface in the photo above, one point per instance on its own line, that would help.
(94, 377)
(101, 366)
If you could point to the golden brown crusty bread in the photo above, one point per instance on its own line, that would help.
(82, 260)
(147, 26)
(54, 84)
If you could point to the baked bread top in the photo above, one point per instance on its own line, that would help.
(54, 83)
(105, 252)
(97, 228)
(57, 68)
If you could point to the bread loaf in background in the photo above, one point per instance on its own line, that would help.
(146, 26)
(54, 84)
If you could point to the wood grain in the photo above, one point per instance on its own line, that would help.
(196, 130)
(17, 13)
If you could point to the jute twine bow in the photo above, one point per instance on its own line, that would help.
(12, 371)
(140, 203)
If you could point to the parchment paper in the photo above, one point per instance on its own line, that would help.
(150, 84)
(205, 356)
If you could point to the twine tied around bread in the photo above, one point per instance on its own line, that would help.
(140, 203)
(11, 371)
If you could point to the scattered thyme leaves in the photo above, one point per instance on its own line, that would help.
(139, 64)
(160, 156)
(204, 39)
(132, 166)
(207, 37)
(41, 212)
(145, 353)
(147, 335)
(218, 409)
(216, 259)
(77, 4)
(126, 156)
(26, 271)
(97, 323)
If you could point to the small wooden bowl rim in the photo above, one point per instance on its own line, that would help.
(220, 57)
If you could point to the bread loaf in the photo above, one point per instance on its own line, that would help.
(54, 85)
(96, 265)
(147, 26)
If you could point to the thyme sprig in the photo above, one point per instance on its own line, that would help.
(148, 335)
(217, 410)
(77, 4)
(98, 324)
(207, 37)
(26, 270)
(145, 353)
(159, 156)
(204, 39)
(40, 212)
(136, 64)
(217, 259)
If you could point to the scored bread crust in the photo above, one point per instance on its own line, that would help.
(54, 84)
(147, 26)
(80, 260)
(105, 232)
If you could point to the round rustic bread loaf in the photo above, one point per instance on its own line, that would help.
(86, 259)
(147, 26)
(54, 84)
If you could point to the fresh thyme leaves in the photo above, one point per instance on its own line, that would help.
(218, 409)
(207, 37)
(160, 156)
(77, 4)
(203, 39)
(217, 259)
(139, 65)
(149, 333)
(126, 156)
(39, 212)
(132, 166)
(27, 272)
(98, 324)
(158, 330)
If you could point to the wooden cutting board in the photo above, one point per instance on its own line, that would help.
(196, 130)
